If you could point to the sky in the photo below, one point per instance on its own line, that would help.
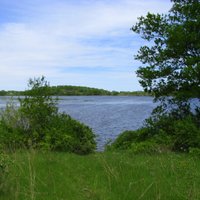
(72, 42)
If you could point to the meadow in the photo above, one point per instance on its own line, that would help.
(36, 175)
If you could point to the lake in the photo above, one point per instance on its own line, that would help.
(108, 116)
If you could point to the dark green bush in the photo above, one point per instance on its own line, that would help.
(186, 135)
(147, 147)
(68, 134)
(36, 123)
(125, 140)
(162, 134)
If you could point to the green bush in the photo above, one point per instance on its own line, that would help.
(162, 134)
(126, 139)
(36, 123)
(147, 147)
(68, 134)
(11, 124)
(186, 135)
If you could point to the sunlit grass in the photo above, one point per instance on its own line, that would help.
(102, 176)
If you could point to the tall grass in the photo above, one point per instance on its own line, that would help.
(102, 176)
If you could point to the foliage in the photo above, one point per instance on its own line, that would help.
(69, 90)
(171, 71)
(172, 60)
(162, 133)
(147, 147)
(38, 107)
(186, 135)
(11, 125)
(67, 134)
(3, 93)
(125, 140)
(38, 124)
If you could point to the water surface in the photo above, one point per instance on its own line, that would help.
(108, 116)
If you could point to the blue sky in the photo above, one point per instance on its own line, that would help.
(72, 42)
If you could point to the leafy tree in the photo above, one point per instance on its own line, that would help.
(171, 71)
(38, 106)
(171, 61)
(38, 124)
(3, 93)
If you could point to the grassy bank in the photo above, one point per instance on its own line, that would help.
(114, 176)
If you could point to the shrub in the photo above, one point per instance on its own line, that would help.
(38, 107)
(162, 134)
(125, 139)
(147, 147)
(186, 135)
(68, 134)
(38, 124)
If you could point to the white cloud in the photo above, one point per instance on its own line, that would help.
(50, 37)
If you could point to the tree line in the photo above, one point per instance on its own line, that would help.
(69, 90)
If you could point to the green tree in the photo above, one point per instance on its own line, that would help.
(38, 107)
(171, 72)
(36, 123)
(3, 93)
(171, 61)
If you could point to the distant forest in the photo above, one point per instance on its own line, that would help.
(68, 90)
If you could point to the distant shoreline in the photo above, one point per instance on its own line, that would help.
(68, 90)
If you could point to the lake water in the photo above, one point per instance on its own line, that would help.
(108, 116)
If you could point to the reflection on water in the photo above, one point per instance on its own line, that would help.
(108, 116)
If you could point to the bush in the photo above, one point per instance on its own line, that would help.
(36, 123)
(162, 134)
(186, 135)
(125, 139)
(70, 135)
(147, 147)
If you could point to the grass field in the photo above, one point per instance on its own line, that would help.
(101, 176)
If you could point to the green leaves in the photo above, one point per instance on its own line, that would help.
(38, 106)
(171, 71)
(171, 61)
(38, 124)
